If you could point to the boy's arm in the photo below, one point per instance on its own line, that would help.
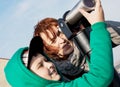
(101, 64)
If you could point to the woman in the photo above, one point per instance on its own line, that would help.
(101, 61)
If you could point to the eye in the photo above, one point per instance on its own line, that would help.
(62, 34)
(53, 40)
(58, 34)
(40, 64)
(45, 60)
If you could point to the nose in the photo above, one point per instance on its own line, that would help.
(49, 65)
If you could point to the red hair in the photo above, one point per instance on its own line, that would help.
(41, 27)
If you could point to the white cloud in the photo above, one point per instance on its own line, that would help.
(21, 8)
(27, 8)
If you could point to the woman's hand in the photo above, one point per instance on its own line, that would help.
(97, 15)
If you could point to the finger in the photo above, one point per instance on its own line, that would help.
(84, 13)
(98, 4)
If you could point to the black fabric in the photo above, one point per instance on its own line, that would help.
(115, 25)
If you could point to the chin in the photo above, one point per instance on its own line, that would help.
(65, 52)
(56, 78)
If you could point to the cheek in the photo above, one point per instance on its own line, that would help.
(53, 49)
(63, 36)
(44, 73)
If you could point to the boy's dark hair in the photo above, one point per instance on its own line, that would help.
(35, 47)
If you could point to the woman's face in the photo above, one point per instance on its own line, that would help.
(43, 68)
(57, 40)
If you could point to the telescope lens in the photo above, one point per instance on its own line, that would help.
(89, 3)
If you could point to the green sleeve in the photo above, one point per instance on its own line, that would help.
(101, 60)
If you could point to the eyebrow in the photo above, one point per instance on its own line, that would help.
(39, 64)
(39, 61)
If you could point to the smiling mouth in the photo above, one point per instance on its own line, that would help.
(67, 45)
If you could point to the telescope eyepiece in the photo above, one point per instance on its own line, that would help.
(89, 3)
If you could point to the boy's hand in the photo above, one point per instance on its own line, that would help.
(97, 15)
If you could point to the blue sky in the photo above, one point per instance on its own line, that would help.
(18, 18)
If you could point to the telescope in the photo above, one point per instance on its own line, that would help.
(72, 19)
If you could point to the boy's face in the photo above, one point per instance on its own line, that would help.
(43, 68)
(56, 40)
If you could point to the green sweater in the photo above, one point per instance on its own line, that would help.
(101, 65)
